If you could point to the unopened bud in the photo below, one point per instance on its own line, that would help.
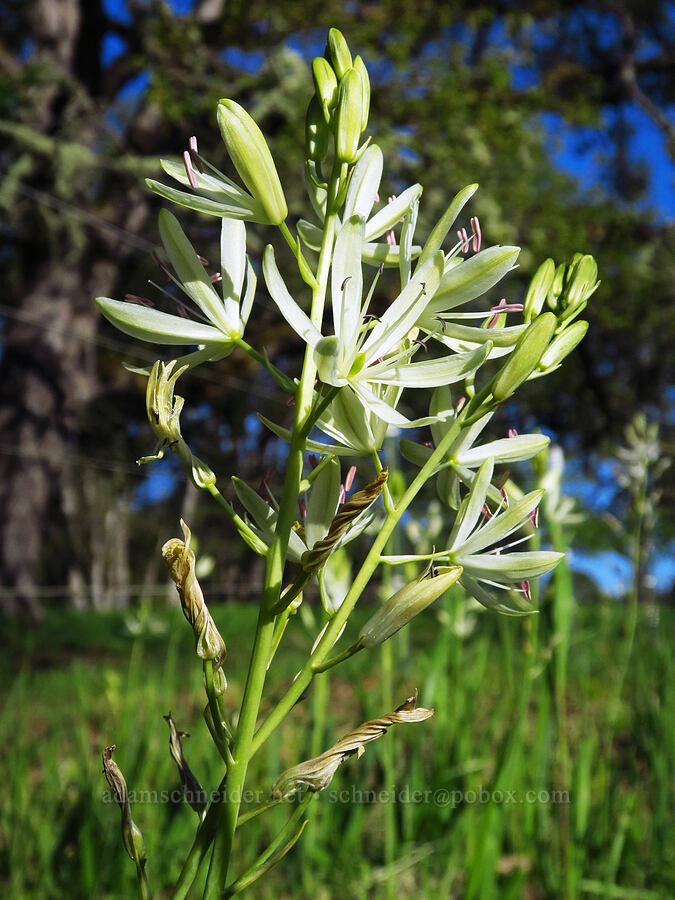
(360, 68)
(325, 82)
(538, 290)
(563, 344)
(526, 354)
(252, 159)
(317, 132)
(349, 117)
(337, 52)
(583, 281)
(405, 604)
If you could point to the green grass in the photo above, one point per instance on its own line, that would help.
(510, 717)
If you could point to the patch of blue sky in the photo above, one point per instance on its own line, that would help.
(135, 87)
(159, 484)
(611, 571)
(247, 60)
(118, 10)
(113, 46)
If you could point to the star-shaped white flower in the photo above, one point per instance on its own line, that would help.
(223, 319)
(364, 355)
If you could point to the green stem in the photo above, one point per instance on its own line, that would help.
(221, 737)
(143, 886)
(389, 504)
(305, 271)
(334, 660)
(284, 381)
(246, 532)
(254, 813)
(275, 561)
(266, 859)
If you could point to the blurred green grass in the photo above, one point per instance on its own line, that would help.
(81, 681)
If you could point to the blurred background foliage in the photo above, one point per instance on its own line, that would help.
(563, 114)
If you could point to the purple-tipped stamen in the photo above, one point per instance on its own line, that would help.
(349, 480)
(501, 308)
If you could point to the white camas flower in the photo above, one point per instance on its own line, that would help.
(361, 355)
(482, 567)
(221, 320)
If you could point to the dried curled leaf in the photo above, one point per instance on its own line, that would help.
(195, 794)
(131, 834)
(316, 774)
(180, 561)
(313, 559)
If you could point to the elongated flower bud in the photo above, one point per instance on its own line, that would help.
(405, 604)
(180, 561)
(252, 159)
(526, 354)
(582, 281)
(563, 344)
(349, 117)
(360, 68)
(317, 132)
(131, 834)
(538, 290)
(195, 794)
(316, 774)
(313, 559)
(325, 82)
(337, 52)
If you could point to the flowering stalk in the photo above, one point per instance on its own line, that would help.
(355, 372)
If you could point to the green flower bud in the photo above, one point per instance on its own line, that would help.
(562, 345)
(538, 290)
(252, 159)
(360, 68)
(325, 82)
(525, 356)
(349, 117)
(582, 281)
(557, 286)
(406, 604)
(317, 132)
(337, 52)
